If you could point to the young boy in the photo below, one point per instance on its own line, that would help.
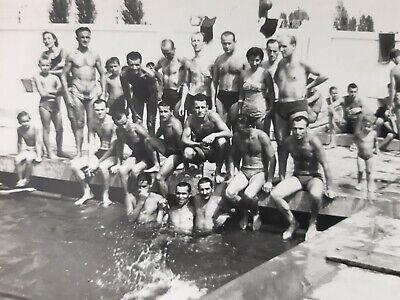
(115, 95)
(49, 88)
(26, 156)
(366, 139)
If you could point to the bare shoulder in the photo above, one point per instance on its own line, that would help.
(314, 141)
(176, 124)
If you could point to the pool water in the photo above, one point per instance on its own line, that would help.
(52, 249)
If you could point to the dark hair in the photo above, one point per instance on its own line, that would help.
(352, 86)
(53, 35)
(23, 114)
(246, 120)
(293, 40)
(100, 101)
(184, 184)
(144, 177)
(81, 29)
(227, 33)
(199, 97)
(117, 115)
(205, 180)
(332, 88)
(271, 41)
(134, 55)
(112, 60)
(168, 41)
(394, 53)
(299, 118)
(150, 64)
(254, 52)
(163, 103)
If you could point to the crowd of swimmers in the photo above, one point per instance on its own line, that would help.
(218, 111)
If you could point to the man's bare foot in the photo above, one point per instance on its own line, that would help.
(256, 222)
(219, 178)
(153, 169)
(245, 220)
(62, 154)
(106, 200)
(22, 183)
(288, 233)
(358, 187)
(86, 196)
(311, 232)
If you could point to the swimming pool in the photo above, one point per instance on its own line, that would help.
(51, 249)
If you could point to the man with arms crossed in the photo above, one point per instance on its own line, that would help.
(84, 167)
(253, 148)
(291, 78)
(82, 63)
(307, 153)
(226, 75)
(205, 137)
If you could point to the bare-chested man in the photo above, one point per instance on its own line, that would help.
(291, 78)
(150, 207)
(395, 86)
(307, 153)
(85, 167)
(137, 138)
(226, 75)
(140, 87)
(82, 63)
(173, 74)
(198, 77)
(205, 205)
(170, 146)
(253, 148)
(205, 136)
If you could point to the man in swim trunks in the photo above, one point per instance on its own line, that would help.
(205, 136)
(173, 74)
(150, 206)
(82, 63)
(252, 147)
(136, 137)
(291, 78)
(307, 153)
(140, 87)
(395, 86)
(206, 204)
(198, 78)
(85, 167)
(170, 146)
(226, 75)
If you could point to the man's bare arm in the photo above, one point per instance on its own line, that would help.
(186, 140)
(100, 69)
(269, 155)
(392, 90)
(65, 72)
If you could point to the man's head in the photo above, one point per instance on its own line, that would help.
(83, 36)
(200, 105)
(100, 109)
(228, 42)
(144, 182)
(394, 55)
(182, 193)
(168, 49)
(113, 65)
(44, 64)
(244, 123)
(24, 119)
(134, 61)
(197, 41)
(300, 125)
(352, 90)
(254, 57)
(120, 119)
(287, 45)
(272, 48)
(205, 188)
(165, 111)
(333, 92)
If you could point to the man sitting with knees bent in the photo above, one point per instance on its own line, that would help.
(253, 147)
(205, 136)
(307, 153)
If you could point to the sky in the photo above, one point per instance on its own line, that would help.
(178, 12)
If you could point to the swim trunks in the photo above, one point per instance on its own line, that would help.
(305, 179)
(140, 153)
(228, 98)
(286, 109)
(206, 152)
(50, 105)
(100, 153)
(160, 145)
(171, 97)
(250, 172)
(85, 96)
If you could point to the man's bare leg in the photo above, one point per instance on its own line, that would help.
(221, 156)
(167, 168)
(57, 121)
(104, 171)
(285, 188)
(282, 131)
(250, 196)
(76, 166)
(80, 124)
(316, 188)
(124, 171)
(360, 163)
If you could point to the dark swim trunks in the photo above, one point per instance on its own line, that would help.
(51, 106)
(100, 153)
(140, 153)
(164, 148)
(286, 109)
(228, 98)
(206, 153)
(171, 97)
(305, 179)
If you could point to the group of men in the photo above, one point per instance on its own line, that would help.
(218, 111)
